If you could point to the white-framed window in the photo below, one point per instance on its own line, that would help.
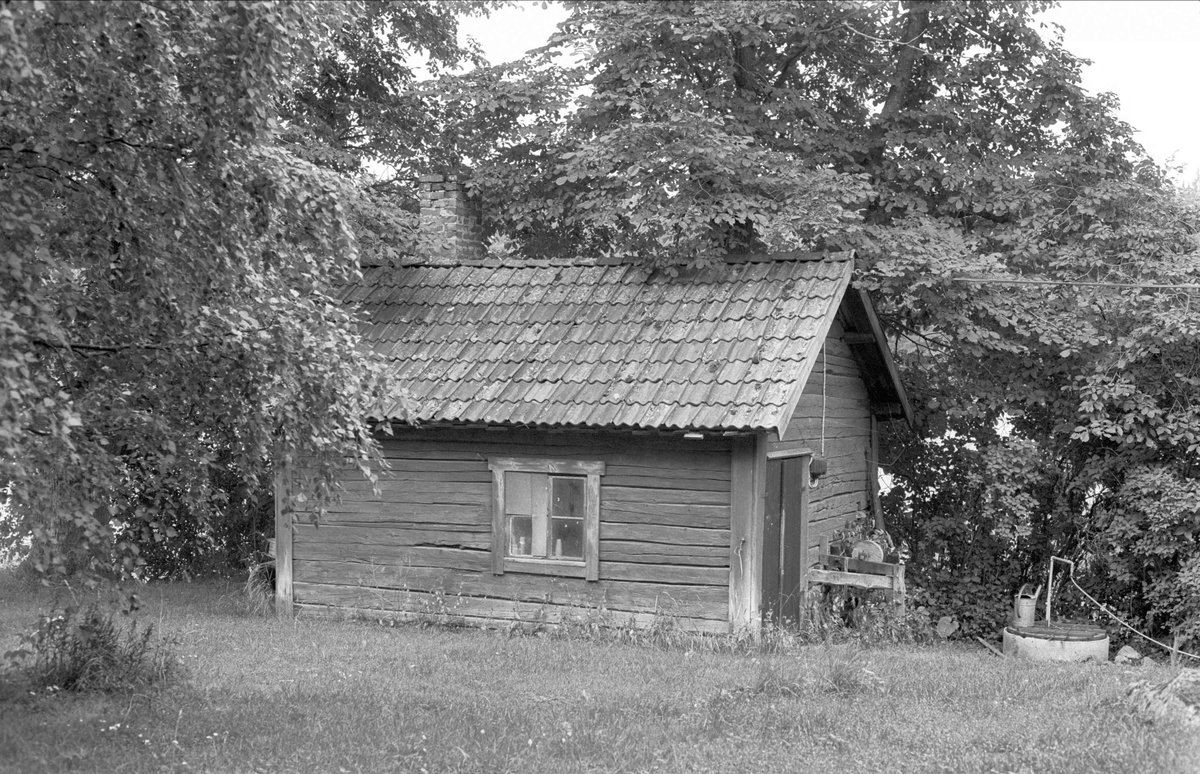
(546, 516)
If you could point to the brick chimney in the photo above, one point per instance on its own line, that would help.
(451, 221)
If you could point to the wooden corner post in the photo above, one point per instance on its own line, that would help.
(746, 512)
(283, 539)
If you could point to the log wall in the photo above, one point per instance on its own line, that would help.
(421, 546)
(836, 392)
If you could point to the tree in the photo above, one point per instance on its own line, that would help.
(355, 112)
(169, 271)
(952, 146)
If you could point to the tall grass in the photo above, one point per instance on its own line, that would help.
(329, 696)
(93, 648)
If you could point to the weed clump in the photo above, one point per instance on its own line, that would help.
(259, 590)
(88, 649)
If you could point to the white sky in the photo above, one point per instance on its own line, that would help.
(1147, 52)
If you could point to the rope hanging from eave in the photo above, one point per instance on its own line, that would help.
(824, 371)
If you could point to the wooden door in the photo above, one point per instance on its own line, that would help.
(785, 539)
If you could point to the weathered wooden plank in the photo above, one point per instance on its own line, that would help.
(747, 481)
(666, 469)
(466, 445)
(390, 490)
(430, 450)
(391, 535)
(623, 494)
(385, 531)
(448, 496)
(499, 528)
(652, 573)
(778, 450)
(627, 551)
(591, 530)
(643, 548)
(837, 431)
(548, 568)
(772, 560)
(702, 516)
(794, 537)
(828, 507)
(850, 426)
(665, 482)
(841, 505)
(844, 469)
(409, 465)
(858, 580)
(655, 533)
(843, 407)
(843, 361)
(702, 601)
(831, 521)
(668, 465)
(681, 471)
(850, 564)
(483, 612)
(805, 531)
(330, 521)
(549, 466)
(284, 595)
(611, 555)
(408, 477)
(843, 455)
(381, 512)
(835, 385)
(840, 421)
(833, 489)
(391, 555)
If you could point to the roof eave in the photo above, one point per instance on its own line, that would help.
(874, 347)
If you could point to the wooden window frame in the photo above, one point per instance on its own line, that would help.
(587, 568)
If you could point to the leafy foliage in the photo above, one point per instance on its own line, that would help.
(357, 111)
(1149, 550)
(169, 270)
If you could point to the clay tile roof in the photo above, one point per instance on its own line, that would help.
(540, 344)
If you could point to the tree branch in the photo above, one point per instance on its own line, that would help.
(787, 66)
(93, 348)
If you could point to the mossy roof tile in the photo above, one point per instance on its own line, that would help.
(600, 346)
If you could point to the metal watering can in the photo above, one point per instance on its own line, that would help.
(1024, 604)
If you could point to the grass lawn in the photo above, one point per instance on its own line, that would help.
(263, 695)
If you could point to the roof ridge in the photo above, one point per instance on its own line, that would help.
(495, 263)
(586, 261)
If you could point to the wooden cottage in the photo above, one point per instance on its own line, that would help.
(603, 441)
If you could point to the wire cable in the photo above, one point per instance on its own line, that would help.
(1117, 618)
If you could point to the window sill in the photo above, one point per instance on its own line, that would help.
(560, 567)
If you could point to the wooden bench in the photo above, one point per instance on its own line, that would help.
(839, 570)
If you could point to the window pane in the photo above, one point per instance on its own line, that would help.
(567, 497)
(567, 538)
(520, 536)
(516, 493)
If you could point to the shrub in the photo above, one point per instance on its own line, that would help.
(1150, 551)
(88, 649)
(867, 617)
